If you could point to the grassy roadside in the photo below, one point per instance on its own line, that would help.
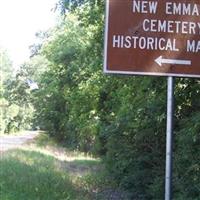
(43, 171)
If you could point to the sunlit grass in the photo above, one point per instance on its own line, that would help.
(32, 175)
(42, 170)
(48, 146)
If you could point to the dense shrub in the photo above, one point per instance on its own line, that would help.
(120, 118)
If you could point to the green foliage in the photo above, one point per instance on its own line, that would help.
(32, 175)
(38, 171)
(71, 5)
(17, 93)
(5, 66)
(135, 136)
(67, 100)
(15, 100)
(122, 119)
(187, 162)
(10, 112)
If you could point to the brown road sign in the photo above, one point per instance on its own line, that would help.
(153, 37)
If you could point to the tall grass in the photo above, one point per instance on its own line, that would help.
(34, 176)
(43, 171)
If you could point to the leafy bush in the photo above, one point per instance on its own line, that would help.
(122, 119)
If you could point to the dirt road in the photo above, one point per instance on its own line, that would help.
(10, 141)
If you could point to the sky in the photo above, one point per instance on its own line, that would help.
(19, 21)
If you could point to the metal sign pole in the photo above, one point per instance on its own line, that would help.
(169, 138)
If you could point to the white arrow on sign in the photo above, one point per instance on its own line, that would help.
(160, 60)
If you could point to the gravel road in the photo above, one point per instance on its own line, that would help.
(13, 141)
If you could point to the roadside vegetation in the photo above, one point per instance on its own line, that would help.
(44, 170)
(120, 119)
(15, 109)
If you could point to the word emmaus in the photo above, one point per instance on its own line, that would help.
(170, 8)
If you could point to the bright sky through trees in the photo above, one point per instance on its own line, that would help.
(19, 21)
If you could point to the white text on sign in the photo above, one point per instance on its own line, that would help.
(153, 25)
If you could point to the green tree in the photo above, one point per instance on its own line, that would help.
(122, 119)
(6, 73)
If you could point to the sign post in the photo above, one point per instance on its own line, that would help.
(169, 138)
(159, 38)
